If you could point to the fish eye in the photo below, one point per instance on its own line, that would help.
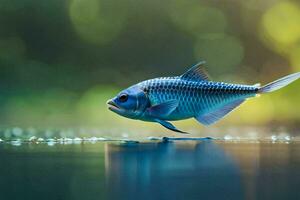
(123, 98)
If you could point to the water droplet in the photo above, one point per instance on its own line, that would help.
(228, 137)
(60, 140)
(287, 138)
(32, 138)
(68, 141)
(50, 140)
(92, 139)
(282, 135)
(153, 138)
(16, 142)
(77, 140)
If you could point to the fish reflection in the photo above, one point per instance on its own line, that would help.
(173, 170)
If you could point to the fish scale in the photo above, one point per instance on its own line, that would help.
(194, 97)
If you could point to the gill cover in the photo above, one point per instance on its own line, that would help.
(134, 104)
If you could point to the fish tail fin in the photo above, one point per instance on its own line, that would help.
(280, 83)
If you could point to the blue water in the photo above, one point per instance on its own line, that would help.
(207, 169)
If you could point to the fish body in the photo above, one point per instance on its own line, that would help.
(194, 97)
(191, 95)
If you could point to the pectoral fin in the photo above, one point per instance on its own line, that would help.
(169, 126)
(163, 109)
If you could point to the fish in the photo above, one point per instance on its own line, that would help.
(190, 95)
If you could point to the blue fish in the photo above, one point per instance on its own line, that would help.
(191, 95)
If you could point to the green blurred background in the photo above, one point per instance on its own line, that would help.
(60, 60)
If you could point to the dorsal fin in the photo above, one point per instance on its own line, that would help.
(196, 73)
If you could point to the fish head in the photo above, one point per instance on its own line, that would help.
(130, 103)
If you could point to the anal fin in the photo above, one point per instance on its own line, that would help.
(216, 115)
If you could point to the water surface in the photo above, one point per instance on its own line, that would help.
(151, 170)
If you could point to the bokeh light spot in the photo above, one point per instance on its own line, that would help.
(197, 19)
(97, 21)
(221, 53)
(281, 25)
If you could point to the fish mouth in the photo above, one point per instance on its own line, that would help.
(112, 105)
